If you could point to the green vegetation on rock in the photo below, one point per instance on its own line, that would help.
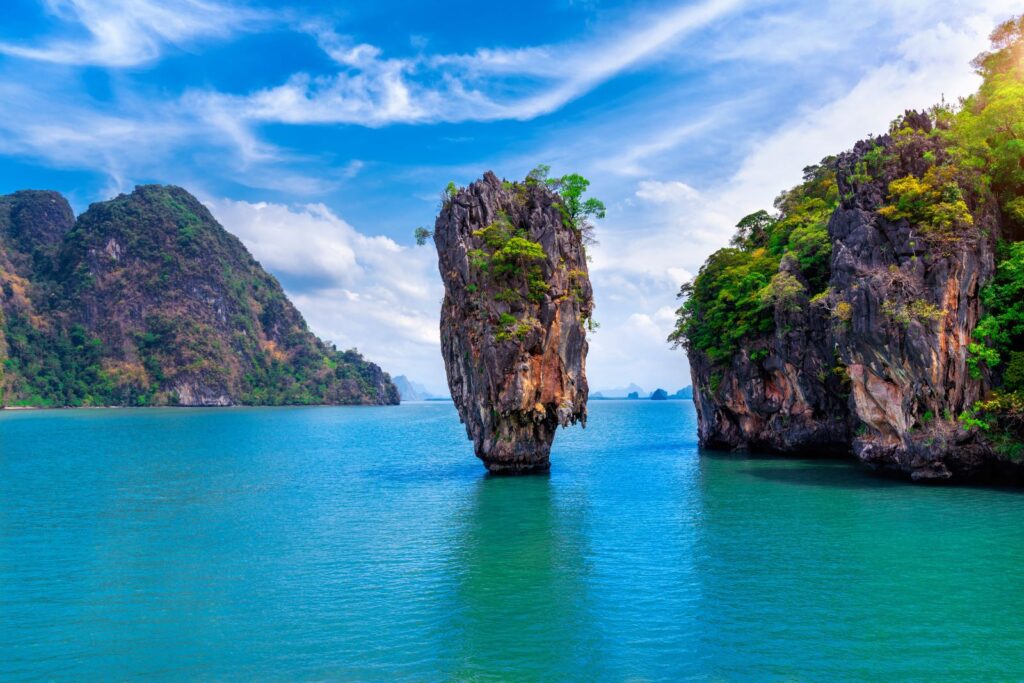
(146, 300)
(510, 261)
(733, 297)
(988, 137)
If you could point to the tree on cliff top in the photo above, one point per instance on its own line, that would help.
(732, 298)
(576, 210)
(988, 131)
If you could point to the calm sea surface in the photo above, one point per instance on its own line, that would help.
(367, 544)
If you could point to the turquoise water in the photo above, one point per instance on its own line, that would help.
(367, 544)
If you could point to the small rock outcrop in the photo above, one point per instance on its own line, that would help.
(514, 318)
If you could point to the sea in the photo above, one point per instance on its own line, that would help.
(369, 544)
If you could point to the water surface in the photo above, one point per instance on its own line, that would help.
(367, 544)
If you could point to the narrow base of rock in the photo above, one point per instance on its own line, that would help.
(531, 465)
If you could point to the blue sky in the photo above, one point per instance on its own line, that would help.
(322, 133)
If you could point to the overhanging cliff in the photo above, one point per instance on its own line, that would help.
(514, 318)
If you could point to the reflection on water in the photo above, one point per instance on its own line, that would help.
(520, 604)
(876, 573)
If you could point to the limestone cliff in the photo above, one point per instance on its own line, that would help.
(513, 320)
(870, 355)
(147, 300)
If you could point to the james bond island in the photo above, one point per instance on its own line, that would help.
(880, 310)
(516, 311)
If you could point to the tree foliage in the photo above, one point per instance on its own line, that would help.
(988, 137)
(988, 130)
(934, 204)
(422, 235)
(999, 336)
(733, 297)
(724, 304)
(577, 211)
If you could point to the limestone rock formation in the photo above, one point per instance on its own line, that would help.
(147, 300)
(514, 318)
(877, 363)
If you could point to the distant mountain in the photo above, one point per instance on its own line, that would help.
(635, 392)
(146, 300)
(619, 392)
(412, 391)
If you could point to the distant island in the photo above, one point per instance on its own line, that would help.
(414, 391)
(409, 390)
(145, 300)
(619, 392)
(634, 392)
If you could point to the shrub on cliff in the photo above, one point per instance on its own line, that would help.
(577, 212)
(989, 128)
(724, 304)
(733, 296)
(999, 336)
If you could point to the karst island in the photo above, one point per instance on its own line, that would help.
(516, 311)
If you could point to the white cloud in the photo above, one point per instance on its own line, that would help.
(672, 227)
(130, 33)
(355, 290)
(662, 233)
(376, 91)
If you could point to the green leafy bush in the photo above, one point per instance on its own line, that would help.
(935, 203)
(734, 294)
(1000, 332)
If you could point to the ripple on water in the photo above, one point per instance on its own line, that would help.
(367, 544)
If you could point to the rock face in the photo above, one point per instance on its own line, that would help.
(877, 364)
(513, 320)
(147, 300)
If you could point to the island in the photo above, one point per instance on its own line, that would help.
(879, 311)
(145, 300)
(516, 312)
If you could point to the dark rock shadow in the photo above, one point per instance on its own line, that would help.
(839, 475)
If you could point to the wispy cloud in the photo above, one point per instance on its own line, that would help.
(72, 136)
(139, 139)
(124, 34)
(373, 90)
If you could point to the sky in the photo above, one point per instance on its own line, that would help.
(322, 133)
